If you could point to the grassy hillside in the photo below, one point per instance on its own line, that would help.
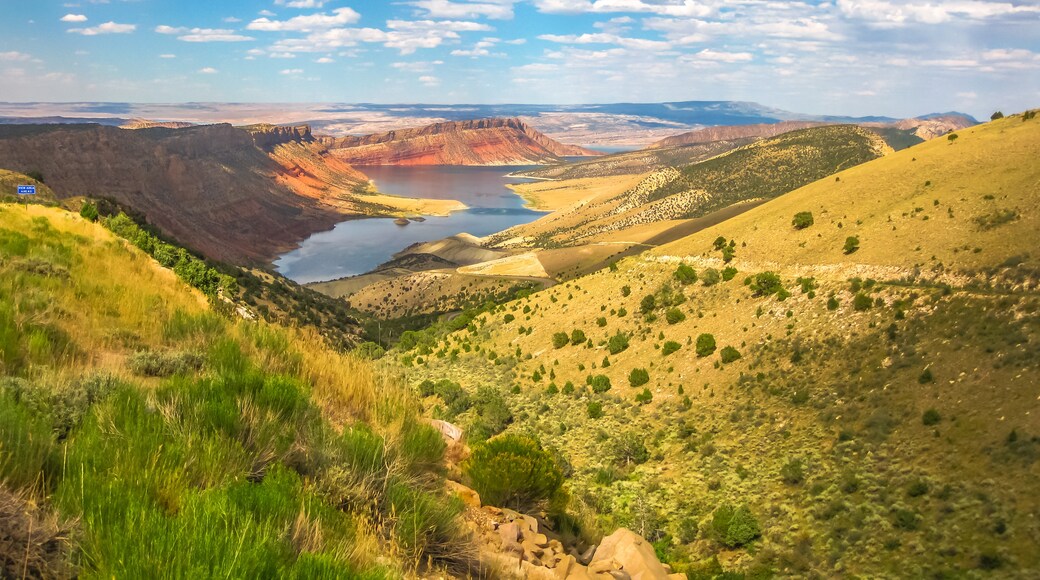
(771, 400)
(144, 436)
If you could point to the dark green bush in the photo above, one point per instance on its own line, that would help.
(670, 347)
(926, 377)
(491, 414)
(862, 302)
(617, 343)
(766, 283)
(638, 377)
(644, 397)
(729, 273)
(729, 354)
(710, 277)
(578, 337)
(594, 409)
(931, 417)
(792, 472)
(89, 211)
(560, 339)
(705, 345)
(647, 304)
(832, 303)
(628, 449)
(599, 383)
(164, 364)
(685, 275)
(674, 316)
(513, 471)
(734, 527)
(802, 220)
(851, 244)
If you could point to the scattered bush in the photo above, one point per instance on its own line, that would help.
(792, 472)
(952, 137)
(832, 303)
(594, 409)
(931, 417)
(674, 316)
(164, 364)
(648, 304)
(926, 377)
(513, 471)
(851, 244)
(766, 283)
(645, 397)
(710, 277)
(670, 347)
(705, 345)
(729, 354)
(996, 115)
(89, 211)
(729, 273)
(578, 337)
(599, 383)
(862, 302)
(628, 449)
(685, 274)
(638, 377)
(802, 220)
(617, 343)
(560, 340)
(734, 527)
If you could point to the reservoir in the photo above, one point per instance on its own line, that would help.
(357, 246)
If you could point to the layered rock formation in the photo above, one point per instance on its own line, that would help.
(478, 142)
(211, 187)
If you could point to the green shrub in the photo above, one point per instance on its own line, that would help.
(674, 316)
(638, 377)
(513, 471)
(917, 488)
(719, 243)
(629, 449)
(508, 318)
(164, 364)
(862, 302)
(670, 347)
(685, 275)
(645, 397)
(952, 137)
(626, 291)
(599, 383)
(905, 519)
(729, 354)
(766, 283)
(734, 527)
(705, 345)
(578, 337)
(931, 417)
(710, 277)
(728, 253)
(491, 414)
(832, 303)
(560, 340)
(617, 343)
(647, 304)
(792, 472)
(802, 220)
(996, 115)
(926, 377)
(594, 409)
(370, 350)
(851, 244)
(729, 273)
(601, 321)
(89, 211)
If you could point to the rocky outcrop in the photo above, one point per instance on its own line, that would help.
(268, 137)
(209, 187)
(477, 142)
(936, 126)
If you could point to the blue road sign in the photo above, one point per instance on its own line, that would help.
(26, 190)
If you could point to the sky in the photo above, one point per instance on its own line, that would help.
(846, 57)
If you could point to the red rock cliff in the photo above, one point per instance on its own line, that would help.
(477, 142)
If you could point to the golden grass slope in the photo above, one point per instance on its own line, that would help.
(882, 427)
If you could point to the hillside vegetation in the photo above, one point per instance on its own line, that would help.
(144, 436)
(840, 382)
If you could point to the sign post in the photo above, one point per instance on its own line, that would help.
(26, 190)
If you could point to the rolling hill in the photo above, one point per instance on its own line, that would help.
(840, 382)
(474, 142)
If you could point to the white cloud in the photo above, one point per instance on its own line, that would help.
(605, 38)
(14, 56)
(886, 14)
(324, 60)
(499, 10)
(203, 34)
(291, 71)
(721, 56)
(208, 70)
(167, 56)
(429, 81)
(685, 8)
(417, 65)
(106, 28)
(301, 3)
(308, 23)
(74, 18)
(479, 49)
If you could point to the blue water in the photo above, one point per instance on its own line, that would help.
(357, 246)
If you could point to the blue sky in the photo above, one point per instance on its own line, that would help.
(856, 57)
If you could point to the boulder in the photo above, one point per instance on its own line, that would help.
(451, 433)
(468, 496)
(627, 551)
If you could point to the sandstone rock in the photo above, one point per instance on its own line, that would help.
(468, 496)
(451, 433)
(626, 550)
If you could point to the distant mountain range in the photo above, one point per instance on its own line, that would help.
(619, 125)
